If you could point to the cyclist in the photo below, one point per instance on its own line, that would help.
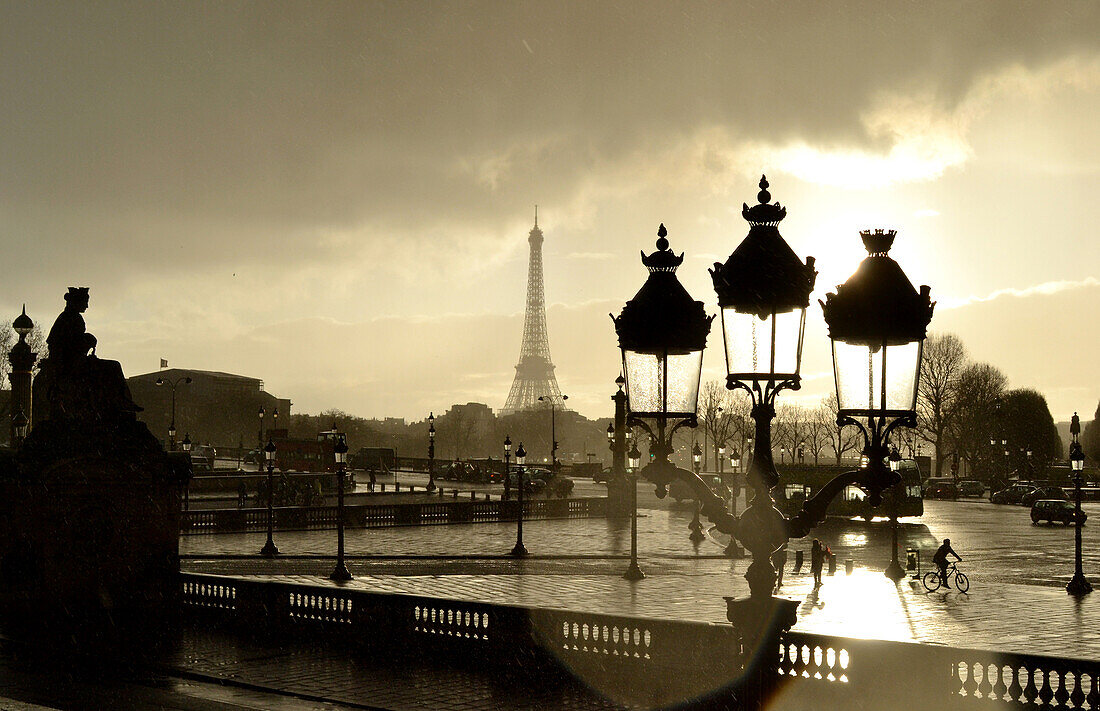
(940, 559)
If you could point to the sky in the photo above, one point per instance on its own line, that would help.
(335, 197)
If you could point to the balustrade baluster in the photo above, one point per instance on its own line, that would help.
(1000, 689)
(1046, 693)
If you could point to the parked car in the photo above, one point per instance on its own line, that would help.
(1043, 492)
(1013, 494)
(544, 480)
(971, 487)
(1052, 510)
(941, 489)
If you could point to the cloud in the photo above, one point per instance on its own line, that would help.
(1045, 289)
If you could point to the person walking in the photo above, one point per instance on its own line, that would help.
(779, 561)
(817, 560)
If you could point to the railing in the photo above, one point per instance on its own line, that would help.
(635, 661)
(384, 515)
(629, 660)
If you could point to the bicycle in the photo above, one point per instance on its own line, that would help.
(932, 581)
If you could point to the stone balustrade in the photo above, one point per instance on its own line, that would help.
(444, 511)
(646, 662)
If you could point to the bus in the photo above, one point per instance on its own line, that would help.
(306, 455)
(797, 485)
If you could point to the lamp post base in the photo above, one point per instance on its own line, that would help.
(270, 550)
(518, 551)
(894, 571)
(340, 573)
(634, 572)
(1079, 585)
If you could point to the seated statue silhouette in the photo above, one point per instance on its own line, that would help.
(74, 384)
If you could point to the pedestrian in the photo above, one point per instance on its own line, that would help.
(242, 495)
(370, 484)
(817, 559)
(779, 561)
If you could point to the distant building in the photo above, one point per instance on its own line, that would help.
(219, 408)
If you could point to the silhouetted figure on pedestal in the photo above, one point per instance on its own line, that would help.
(75, 384)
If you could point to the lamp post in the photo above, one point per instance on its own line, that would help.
(260, 435)
(719, 458)
(553, 431)
(340, 573)
(186, 379)
(634, 459)
(763, 291)
(186, 443)
(894, 571)
(697, 536)
(19, 424)
(521, 458)
(1078, 585)
(662, 332)
(507, 466)
(431, 451)
(269, 550)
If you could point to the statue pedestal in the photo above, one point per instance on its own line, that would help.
(89, 532)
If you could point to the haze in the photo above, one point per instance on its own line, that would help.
(335, 197)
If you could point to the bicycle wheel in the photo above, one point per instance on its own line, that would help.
(962, 582)
(931, 580)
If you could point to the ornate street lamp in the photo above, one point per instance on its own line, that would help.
(721, 456)
(877, 322)
(696, 457)
(340, 573)
(553, 431)
(186, 444)
(521, 458)
(431, 451)
(260, 436)
(1078, 585)
(507, 467)
(269, 550)
(894, 571)
(634, 457)
(662, 333)
(172, 425)
(19, 423)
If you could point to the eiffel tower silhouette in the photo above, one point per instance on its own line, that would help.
(534, 372)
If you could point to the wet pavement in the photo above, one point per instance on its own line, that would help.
(1018, 572)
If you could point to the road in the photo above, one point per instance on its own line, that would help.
(998, 543)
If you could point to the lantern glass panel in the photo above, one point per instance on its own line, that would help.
(662, 384)
(748, 338)
(859, 376)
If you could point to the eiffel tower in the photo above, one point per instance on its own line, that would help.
(534, 372)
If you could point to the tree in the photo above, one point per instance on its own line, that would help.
(714, 407)
(820, 424)
(1090, 437)
(942, 361)
(974, 419)
(791, 428)
(841, 439)
(1029, 426)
